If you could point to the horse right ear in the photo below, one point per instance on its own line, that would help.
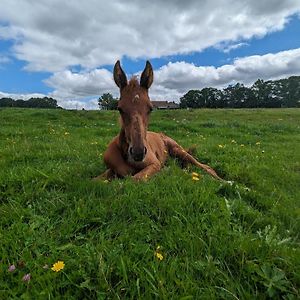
(119, 76)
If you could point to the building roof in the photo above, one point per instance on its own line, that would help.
(164, 105)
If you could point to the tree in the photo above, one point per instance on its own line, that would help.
(107, 102)
(192, 99)
(46, 102)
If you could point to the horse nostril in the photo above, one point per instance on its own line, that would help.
(145, 150)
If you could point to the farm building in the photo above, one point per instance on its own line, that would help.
(164, 105)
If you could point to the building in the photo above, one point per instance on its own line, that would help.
(164, 105)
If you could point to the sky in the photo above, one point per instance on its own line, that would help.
(67, 49)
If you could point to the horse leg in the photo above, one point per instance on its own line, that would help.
(116, 163)
(107, 175)
(175, 150)
(145, 173)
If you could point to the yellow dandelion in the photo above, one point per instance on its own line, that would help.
(195, 174)
(67, 133)
(242, 145)
(195, 178)
(257, 143)
(159, 255)
(58, 266)
(221, 146)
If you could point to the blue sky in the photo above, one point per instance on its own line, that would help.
(37, 57)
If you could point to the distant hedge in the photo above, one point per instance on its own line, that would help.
(45, 102)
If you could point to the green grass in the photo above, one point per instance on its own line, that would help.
(218, 241)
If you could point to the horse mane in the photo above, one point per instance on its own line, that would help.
(133, 82)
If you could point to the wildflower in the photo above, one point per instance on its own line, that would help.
(67, 133)
(233, 141)
(195, 176)
(26, 277)
(257, 143)
(58, 266)
(11, 268)
(158, 253)
(221, 146)
(242, 145)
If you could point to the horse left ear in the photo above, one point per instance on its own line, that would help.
(147, 76)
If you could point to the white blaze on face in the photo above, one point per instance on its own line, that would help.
(136, 98)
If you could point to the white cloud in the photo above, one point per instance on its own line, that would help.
(227, 47)
(21, 96)
(183, 76)
(54, 35)
(4, 60)
(174, 79)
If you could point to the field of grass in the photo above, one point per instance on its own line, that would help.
(168, 238)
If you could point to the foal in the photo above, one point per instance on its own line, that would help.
(135, 151)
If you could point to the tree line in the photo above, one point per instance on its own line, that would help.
(277, 93)
(271, 93)
(45, 102)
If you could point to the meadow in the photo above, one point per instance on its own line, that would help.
(171, 237)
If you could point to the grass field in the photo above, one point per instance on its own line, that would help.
(168, 238)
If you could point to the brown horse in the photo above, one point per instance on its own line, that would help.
(136, 151)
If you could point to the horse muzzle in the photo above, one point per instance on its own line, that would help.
(138, 153)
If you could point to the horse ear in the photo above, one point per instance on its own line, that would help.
(147, 76)
(119, 76)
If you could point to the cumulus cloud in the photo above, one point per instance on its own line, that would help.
(54, 35)
(174, 79)
(183, 76)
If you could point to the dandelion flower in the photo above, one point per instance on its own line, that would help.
(58, 266)
(257, 143)
(11, 268)
(159, 255)
(67, 133)
(195, 174)
(195, 178)
(26, 278)
(242, 145)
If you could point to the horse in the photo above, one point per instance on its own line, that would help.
(135, 151)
